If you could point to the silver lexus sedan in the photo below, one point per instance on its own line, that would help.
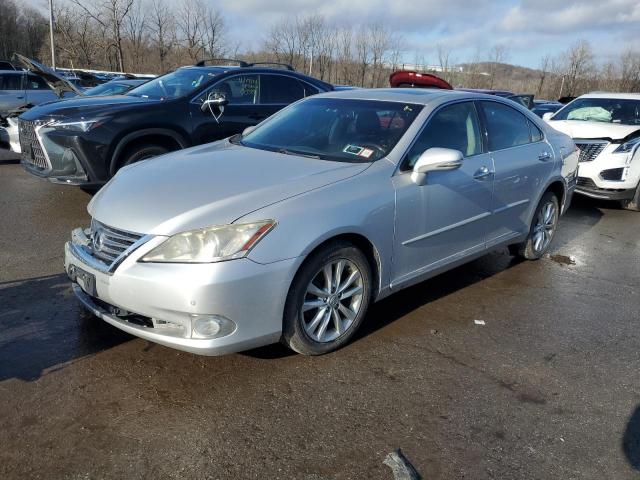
(292, 230)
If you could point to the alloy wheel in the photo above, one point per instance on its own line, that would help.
(545, 226)
(332, 300)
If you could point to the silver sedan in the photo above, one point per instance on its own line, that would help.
(292, 230)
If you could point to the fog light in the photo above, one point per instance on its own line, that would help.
(211, 326)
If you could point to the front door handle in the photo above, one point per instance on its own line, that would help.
(482, 173)
(544, 156)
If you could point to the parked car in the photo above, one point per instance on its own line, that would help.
(85, 141)
(540, 107)
(7, 65)
(291, 230)
(606, 129)
(413, 79)
(9, 132)
(115, 87)
(526, 100)
(20, 87)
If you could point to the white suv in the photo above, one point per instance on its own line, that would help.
(606, 129)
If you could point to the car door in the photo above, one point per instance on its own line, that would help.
(242, 91)
(11, 91)
(522, 160)
(279, 90)
(37, 91)
(445, 219)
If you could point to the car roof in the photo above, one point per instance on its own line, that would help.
(620, 96)
(221, 69)
(420, 96)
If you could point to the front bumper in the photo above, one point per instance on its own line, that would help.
(610, 176)
(167, 296)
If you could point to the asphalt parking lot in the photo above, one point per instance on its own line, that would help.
(548, 388)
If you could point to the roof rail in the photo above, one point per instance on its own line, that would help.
(203, 63)
(286, 66)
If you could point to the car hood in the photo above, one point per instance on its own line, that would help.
(582, 129)
(208, 185)
(58, 84)
(86, 106)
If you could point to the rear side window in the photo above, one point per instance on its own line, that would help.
(455, 126)
(506, 127)
(281, 89)
(10, 82)
(36, 83)
(536, 133)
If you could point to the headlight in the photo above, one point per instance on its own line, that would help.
(213, 244)
(76, 126)
(626, 147)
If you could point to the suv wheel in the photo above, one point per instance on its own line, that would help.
(542, 230)
(327, 300)
(634, 203)
(142, 152)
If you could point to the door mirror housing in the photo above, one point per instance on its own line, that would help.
(436, 160)
(214, 102)
(547, 116)
(248, 130)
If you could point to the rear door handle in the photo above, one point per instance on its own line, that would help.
(482, 173)
(544, 156)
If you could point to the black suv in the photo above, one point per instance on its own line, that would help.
(84, 141)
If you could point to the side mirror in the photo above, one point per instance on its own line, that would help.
(218, 102)
(248, 130)
(436, 160)
(547, 116)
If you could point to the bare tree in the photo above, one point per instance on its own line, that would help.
(544, 71)
(363, 53)
(498, 55)
(630, 71)
(136, 31)
(578, 61)
(163, 29)
(111, 14)
(214, 32)
(191, 28)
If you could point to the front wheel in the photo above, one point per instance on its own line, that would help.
(327, 300)
(542, 230)
(634, 203)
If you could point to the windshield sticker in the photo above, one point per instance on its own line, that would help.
(353, 149)
(359, 151)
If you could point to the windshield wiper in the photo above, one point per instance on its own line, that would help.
(300, 154)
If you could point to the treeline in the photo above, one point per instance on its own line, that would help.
(154, 36)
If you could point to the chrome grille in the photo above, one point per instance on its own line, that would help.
(108, 243)
(589, 151)
(32, 152)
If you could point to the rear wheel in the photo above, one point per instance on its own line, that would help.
(542, 230)
(327, 300)
(634, 203)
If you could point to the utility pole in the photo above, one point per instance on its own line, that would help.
(53, 47)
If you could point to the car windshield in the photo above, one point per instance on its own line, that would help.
(108, 89)
(345, 130)
(175, 84)
(606, 110)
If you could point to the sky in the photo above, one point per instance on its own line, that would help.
(529, 29)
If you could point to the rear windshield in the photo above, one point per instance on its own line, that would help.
(605, 110)
(335, 129)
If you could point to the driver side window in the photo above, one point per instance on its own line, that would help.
(238, 90)
(454, 126)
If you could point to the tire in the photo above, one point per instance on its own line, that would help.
(545, 223)
(634, 203)
(141, 152)
(340, 315)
